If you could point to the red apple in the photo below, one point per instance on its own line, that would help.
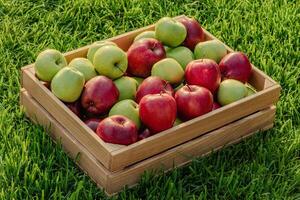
(157, 111)
(236, 66)
(142, 55)
(153, 85)
(216, 106)
(75, 107)
(117, 129)
(203, 72)
(195, 33)
(193, 101)
(99, 95)
(144, 134)
(93, 123)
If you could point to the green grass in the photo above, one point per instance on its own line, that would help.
(267, 166)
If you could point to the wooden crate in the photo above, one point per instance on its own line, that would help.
(117, 157)
(113, 182)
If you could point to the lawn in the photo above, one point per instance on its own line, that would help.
(266, 166)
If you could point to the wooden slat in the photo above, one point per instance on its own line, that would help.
(178, 156)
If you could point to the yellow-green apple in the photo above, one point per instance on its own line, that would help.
(236, 65)
(84, 66)
(195, 33)
(193, 101)
(145, 34)
(127, 108)
(142, 55)
(139, 80)
(203, 72)
(110, 61)
(93, 123)
(182, 55)
(117, 129)
(170, 32)
(216, 105)
(158, 111)
(153, 85)
(127, 87)
(95, 46)
(167, 48)
(251, 90)
(75, 107)
(169, 70)
(48, 63)
(231, 90)
(99, 95)
(211, 49)
(67, 84)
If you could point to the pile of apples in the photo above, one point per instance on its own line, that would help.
(167, 76)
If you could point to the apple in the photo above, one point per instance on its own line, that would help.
(170, 32)
(153, 85)
(157, 111)
(95, 46)
(211, 49)
(139, 80)
(48, 63)
(75, 107)
(127, 108)
(216, 106)
(117, 129)
(182, 55)
(203, 72)
(177, 122)
(195, 33)
(144, 134)
(99, 95)
(231, 90)
(169, 70)
(178, 86)
(167, 48)
(110, 61)
(236, 66)
(142, 55)
(251, 90)
(193, 101)
(145, 34)
(93, 123)
(127, 87)
(67, 84)
(84, 66)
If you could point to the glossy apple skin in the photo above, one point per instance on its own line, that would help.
(144, 134)
(153, 85)
(142, 55)
(193, 101)
(117, 129)
(158, 112)
(205, 73)
(75, 107)
(216, 106)
(93, 123)
(99, 95)
(195, 33)
(236, 65)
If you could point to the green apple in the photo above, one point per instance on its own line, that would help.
(169, 70)
(231, 90)
(170, 32)
(250, 89)
(67, 84)
(182, 55)
(177, 122)
(139, 80)
(127, 108)
(167, 48)
(95, 46)
(145, 34)
(212, 49)
(110, 61)
(48, 63)
(85, 67)
(127, 87)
